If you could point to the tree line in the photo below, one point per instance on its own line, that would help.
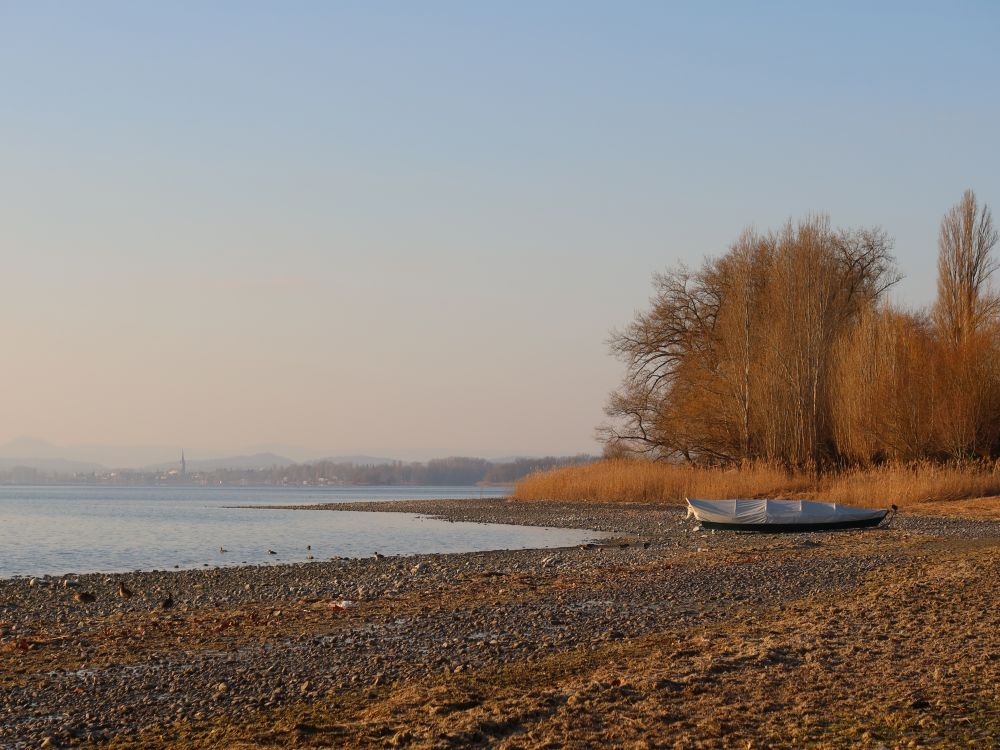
(787, 349)
(454, 471)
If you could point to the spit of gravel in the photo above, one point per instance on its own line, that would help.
(622, 591)
(638, 519)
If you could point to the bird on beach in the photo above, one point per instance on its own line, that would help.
(271, 552)
(378, 555)
(123, 591)
(309, 546)
(168, 602)
(223, 551)
(84, 597)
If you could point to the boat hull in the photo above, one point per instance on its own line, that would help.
(796, 528)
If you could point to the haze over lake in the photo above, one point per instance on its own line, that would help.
(57, 530)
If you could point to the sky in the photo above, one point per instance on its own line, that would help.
(406, 229)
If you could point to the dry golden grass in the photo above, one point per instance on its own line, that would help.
(631, 480)
(911, 485)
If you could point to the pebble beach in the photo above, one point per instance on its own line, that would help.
(655, 635)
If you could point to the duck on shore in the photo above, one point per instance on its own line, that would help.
(84, 597)
(123, 591)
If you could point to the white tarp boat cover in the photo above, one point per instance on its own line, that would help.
(777, 512)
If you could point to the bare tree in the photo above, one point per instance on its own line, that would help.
(731, 363)
(783, 349)
(965, 265)
(673, 334)
(887, 375)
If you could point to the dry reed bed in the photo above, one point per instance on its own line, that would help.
(624, 480)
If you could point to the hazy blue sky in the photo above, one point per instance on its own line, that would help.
(406, 228)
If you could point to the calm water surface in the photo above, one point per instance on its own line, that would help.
(56, 530)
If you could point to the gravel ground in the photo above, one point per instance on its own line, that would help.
(240, 650)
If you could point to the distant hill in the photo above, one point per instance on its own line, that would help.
(255, 461)
(57, 465)
(356, 460)
(38, 455)
(28, 447)
(101, 456)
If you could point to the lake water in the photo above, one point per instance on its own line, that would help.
(57, 530)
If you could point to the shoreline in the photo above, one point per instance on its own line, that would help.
(530, 642)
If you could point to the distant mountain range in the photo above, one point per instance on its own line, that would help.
(72, 459)
(265, 460)
(56, 465)
(356, 460)
(35, 453)
(32, 453)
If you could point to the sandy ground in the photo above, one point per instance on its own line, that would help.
(975, 508)
(886, 638)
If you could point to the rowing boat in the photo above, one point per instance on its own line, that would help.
(782, 515)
